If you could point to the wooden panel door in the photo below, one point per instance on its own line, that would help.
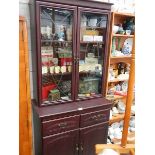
(62, 144)
(25, 128)
(91, 136)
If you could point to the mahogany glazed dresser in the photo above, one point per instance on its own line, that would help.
(69, 54)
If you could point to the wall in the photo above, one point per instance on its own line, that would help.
(24, 11)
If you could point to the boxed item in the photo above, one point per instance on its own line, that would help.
(89, 85)
(98, 38)
(46, 89)
(88, 38)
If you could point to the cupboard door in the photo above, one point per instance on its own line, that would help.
(61, 144)
(56, 45)
(91, 52)
(91, 136)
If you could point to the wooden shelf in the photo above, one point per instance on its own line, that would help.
(123, 35)
(117, 118)
(117, 80)
(123, 14)
(115, 97)
(125, 59)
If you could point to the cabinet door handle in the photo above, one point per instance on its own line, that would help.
(62, 125)
(77, 147)
(81, 147)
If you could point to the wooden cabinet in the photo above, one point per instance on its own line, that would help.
(71, 48)
(69, 41)
(90, 136)
(64, 143)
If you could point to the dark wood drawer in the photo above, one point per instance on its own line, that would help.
(60, 125)
(94, 118)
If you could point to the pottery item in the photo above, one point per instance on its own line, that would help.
(115, 29)
(127, 32)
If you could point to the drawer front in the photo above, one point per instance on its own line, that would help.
(94, 118)
(60, 125)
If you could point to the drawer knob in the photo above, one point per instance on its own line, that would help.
(62, 125)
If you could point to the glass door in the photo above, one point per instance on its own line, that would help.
(91, 53)
(56, 53)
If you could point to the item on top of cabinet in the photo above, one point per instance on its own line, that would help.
(44, 69)
(88, 38)
(120, 30)
(98, 38)
(63, 69)
(115, 29)
(54, 95)
(57, 69)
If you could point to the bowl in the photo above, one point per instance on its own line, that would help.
(115, 29)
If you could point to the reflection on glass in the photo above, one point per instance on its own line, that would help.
(92, 35)
(56, 54)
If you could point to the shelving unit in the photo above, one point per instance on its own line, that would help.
(118, 18)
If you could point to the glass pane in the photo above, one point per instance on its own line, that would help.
(92, 39)
(56, 54)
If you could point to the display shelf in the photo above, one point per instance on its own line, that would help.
(55, 41)
(125, 59)
(91, 42)
(123, 14)
(56, 74)
(115, 97)
(117, 80)
(123, 35)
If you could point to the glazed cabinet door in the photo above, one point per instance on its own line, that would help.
(91, 136)
(62, 144)
(92, 52)
(56, 45)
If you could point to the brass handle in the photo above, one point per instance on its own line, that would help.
(77, 147)
(62, 125)
(81, 147)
